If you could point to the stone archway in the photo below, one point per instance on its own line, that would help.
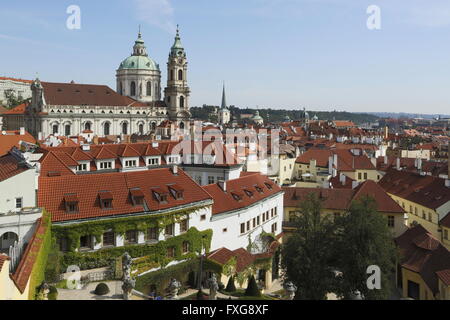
(7, 239)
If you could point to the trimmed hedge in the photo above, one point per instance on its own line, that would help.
(252, 288)
(101, 289)
(38, 272)
(231, 287)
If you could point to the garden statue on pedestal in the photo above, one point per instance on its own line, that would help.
(290, 290)
(213, 287)
(128, 282)
(173, 288)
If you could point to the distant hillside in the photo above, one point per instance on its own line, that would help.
(397, 115)
(205, 113)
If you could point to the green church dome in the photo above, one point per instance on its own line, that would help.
(139, 62)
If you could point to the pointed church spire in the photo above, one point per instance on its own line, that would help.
(177, 48)
(224, 100)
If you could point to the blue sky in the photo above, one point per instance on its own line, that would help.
(316, 54)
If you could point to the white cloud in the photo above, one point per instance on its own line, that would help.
(159, 13)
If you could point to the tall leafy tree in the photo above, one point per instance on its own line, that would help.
(364, 240)
(308, 253)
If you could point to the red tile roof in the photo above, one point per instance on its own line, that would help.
(26, 264)
(12, 139)
(225, 202)
(87, 187)
(15, 79)
(341, 199)
(20, 109)
(444, 275)
(425, 190)
(10, 166)
(344, 123)
(445, 221)
(424, 254)
(320, 155)
(72, 94)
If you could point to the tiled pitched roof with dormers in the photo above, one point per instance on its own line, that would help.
(87, 188)
(242, 192)
(10, 167)
(424, 254)
(341, 199)
(425, 190)
(73, 94)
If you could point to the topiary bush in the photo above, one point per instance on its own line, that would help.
(192, 279)
(53, 293)
(101, 289)
(230, 285)
(252, 288)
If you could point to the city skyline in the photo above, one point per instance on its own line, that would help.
(325, 59)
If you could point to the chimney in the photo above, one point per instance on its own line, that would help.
(22, 131)
(355, 184)
(223, 185)
(342, 178)
(398, 164)
(335, 161)
(175, 170)
(330, 165)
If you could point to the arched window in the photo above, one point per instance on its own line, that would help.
(171, 74)
(133, 88)
(125, 128)
(120, 88)
(180, 74)
(87, 126)
(153, 128)
(106, 129)
(141, 129)
(181, 125)
(181, 102)
(149, 88)
(55, 129)
(67, 130)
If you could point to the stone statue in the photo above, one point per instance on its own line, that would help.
(290, 290)
(173, 288)
(213, 287)
(128, 282)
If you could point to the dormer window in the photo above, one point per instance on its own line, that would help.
(104, 165)
(153, 162)
(160, 195)
(82, 167)
(71, 203)
(236, 196)
(259, 189)
(137, 197)
(268, 185)
(248, 193)
(176, 191)
(130, 163)
(106, 199)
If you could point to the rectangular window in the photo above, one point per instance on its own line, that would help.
(109, 239)
(105, 165)
(170, 252)
(82, 167)
(446, 234)
(152, 234)
(391, 221)
(19, 203)
(107, 204)
(153, 162)
(254, 222)
(257, 220)
(131, 237)
(274, 228)
(248, 225)
(429, 217)
(169, 230)
(211, 180)
(184, 225)
(85, 242)
(365, 175)
(359, 176)
(276, 211)
(203, 217)
(242, 228)
(130, 163)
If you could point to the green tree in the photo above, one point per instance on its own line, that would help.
(364, 240)
(230, 286)
(12, 100)
(252, 288)
(308, 254)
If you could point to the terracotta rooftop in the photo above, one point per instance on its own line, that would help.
(72, 94)
(10, 166)
(52, 191)
(3, 258)
(12, 139)
(425, 190)
(424, 254)
(237, 194)
(341, 199)
(20, 109)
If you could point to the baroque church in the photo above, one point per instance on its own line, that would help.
(137, 107)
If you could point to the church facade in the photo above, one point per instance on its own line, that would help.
(137, 107)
